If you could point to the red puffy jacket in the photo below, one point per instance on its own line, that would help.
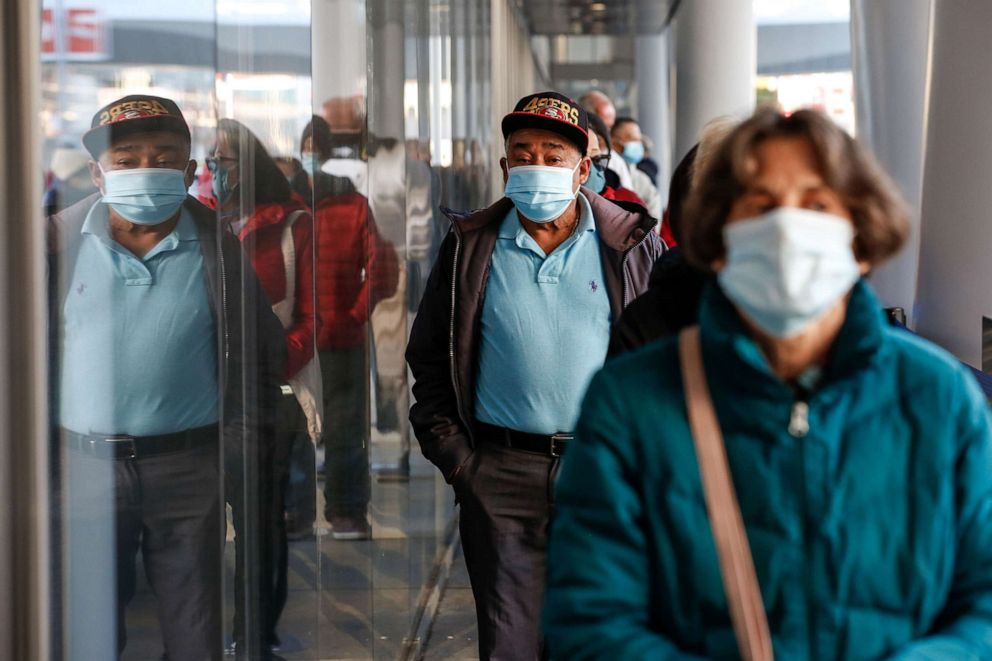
(355, 268)
(261, 237)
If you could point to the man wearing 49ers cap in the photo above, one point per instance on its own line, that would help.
(156, 379)
(514, 322)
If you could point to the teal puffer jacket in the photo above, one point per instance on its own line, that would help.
(871, 535)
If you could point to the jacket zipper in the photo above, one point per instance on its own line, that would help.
(451, 335)
(623, 268)
(799, 428)
(799, 419)
(224, 316)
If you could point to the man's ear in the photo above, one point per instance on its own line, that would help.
(96, 175)
(190, 173)
(503, 166)
(585, 167)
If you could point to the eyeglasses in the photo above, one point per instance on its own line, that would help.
(601, 161)
(214, 163)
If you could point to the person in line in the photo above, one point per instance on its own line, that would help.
(355, 269)
(672, 298)
(148, 308)
(599, 180)
(256, 203)
(514, 321)
(627, 141)
(70, 179)
(648, 164)
(597, 103)
(671, 302)
(860, 454)
(293, 170)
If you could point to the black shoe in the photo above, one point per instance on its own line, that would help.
(350, 527)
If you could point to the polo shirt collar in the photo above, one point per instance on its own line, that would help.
(97, 224)
(512, 228)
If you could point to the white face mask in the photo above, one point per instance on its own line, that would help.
(787, 268)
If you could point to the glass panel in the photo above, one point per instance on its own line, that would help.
(232, 457)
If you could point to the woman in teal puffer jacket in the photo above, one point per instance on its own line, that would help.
(861, 455)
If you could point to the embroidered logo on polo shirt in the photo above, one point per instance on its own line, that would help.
(81, 288)
(593, 286)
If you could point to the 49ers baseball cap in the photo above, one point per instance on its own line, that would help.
(550, 111)
(137, 113)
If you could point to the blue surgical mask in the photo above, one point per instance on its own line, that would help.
(221, 184)
(787, 268)
(633, 152)
(311, 163)
(539, 192)
(144, 196)
(597, 179)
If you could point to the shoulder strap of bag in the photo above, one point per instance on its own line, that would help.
(747, 612)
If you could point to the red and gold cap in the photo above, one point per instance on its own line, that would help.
(550, 111)
(137, 113)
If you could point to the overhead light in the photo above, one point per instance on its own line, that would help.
(598, 6)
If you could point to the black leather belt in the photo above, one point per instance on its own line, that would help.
(121, 446)
(552, 445)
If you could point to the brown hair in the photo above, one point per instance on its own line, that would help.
(878, 212)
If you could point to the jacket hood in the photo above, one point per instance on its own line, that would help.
(621, 229)
(272, 213)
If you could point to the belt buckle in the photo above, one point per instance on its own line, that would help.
(558, 442)
(129, 447)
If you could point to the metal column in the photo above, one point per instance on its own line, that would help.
(651, 64)
(716, 61)
(955, 270)
(25, 625)
(891, 47)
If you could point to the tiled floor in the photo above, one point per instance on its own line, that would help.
(454, 636)
(348, 600)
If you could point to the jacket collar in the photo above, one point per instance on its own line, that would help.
(618, 228)
(859, 343)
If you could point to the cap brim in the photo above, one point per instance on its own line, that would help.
(526, 120)
(97, 140)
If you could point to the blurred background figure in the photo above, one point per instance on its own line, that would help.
(602, 180)
(255, 201)
(70, 179)
(672, 300)
(355, 268)
(298, 180)
(627, 142)
(597, 103)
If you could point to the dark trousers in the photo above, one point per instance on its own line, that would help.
(256, 488)
(301, 494)
(168, 507)
(346, 422)
(506, 500)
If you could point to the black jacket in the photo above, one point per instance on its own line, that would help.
(251, 342)
(443, 348)
(670, 304)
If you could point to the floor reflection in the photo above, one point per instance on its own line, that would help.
(348, 599)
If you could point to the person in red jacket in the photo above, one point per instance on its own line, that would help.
(355, 269)
(275, 227)
(599, 152)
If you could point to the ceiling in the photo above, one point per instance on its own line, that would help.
(613, 17)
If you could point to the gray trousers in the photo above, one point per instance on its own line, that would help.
(169, 508)
(506, 500)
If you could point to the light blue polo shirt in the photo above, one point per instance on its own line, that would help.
(545, 328)
(139, 353)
